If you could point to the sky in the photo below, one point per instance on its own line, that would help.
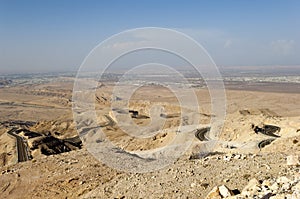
(57, 35)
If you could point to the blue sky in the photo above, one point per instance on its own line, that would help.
(57, 35)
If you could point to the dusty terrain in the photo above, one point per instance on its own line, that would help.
(245, 150)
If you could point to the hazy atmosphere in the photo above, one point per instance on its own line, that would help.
(41, 36)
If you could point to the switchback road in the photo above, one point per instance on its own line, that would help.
(22, 149)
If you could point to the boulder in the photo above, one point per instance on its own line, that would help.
(225, 192)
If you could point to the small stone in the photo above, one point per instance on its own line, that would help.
(266, 183)
(296, 187)
(205, 185)
(225, 192)
(286, 186)
(107, 189)
(226, 180)
(297, 176)
(282, 180)
(289, 196)
(292, 160)
(274, 187)
(243, 157)
(193, 185)
(251, 187)
(296, 194)
(81, 182)
(227, 157)
(247, 193)
(253, 155)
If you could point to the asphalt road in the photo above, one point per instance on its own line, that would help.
(201, 134)
(22, 148)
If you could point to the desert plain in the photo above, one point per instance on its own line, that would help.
(41, 155)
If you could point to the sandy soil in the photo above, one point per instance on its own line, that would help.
(78, 174)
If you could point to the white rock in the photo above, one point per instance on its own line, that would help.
(282, 180)
(296, 187)
(227, 157)
(225, 192)
(251, 187)
(286, 186)
(193, 185)
(238, 156)
(296, 195)
(265, 189)
(289, 196)
(226, 180)
(292, 160)
(279, 196)
(297, 177)
(243, 156)
(274, 187)
(253, 155)
(81, 182)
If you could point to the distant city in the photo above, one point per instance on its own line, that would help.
(229, 75)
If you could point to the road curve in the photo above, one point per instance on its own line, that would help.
(268, 130)
(264, 143)
(22, 149)
(201, 134)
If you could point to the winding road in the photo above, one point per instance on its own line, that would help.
(22, 148)
(268, 130)
(264, 143)
(201, 134)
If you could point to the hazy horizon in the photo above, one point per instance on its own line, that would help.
(52, 36)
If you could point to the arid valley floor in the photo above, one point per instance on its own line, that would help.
(261, 131)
